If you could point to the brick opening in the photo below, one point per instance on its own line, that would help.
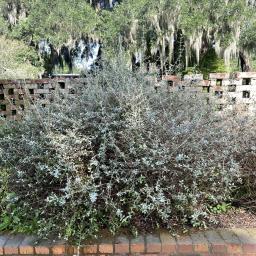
(14, 112)
(21, 96)
(11, 91)
(232, 88)
(42, 96)
(3, 107)
(13, 101)
(206, 89)
(71, 91)
(1, 86)
(170, 83)
(219, 94)
(22, 107)
(246, 94)
(246, 81)
(219, 82)
(62, 85)
(31, 91)
(1, 96)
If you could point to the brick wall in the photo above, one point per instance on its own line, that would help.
(221, 242)
(232, 91)
(16, 95)
(236, 91)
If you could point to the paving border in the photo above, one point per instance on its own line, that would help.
(219, 242)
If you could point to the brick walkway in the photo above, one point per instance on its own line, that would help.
(221, 242)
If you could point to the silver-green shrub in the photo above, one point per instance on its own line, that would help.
(119, 155)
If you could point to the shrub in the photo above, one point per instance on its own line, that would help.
(119, 155)
(245, 194)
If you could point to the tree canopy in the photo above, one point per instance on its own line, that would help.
(17, 60)
(154, 29)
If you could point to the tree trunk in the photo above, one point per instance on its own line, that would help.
(244, 62)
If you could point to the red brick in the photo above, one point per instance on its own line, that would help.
(153, 244)
(222, 243)
(121, 245)
(201, 248)
(46, 246)
(43, 247)
(77, 250)
(218, 245)
(233, 243)
(204, 254)
(185, 244)
(42, 250)
(12, 245)
(243, 235)
(138, 245)
(106, 246)
(168, 242)
(3, 240)
(200, 243)
(27, 245)
(58, 249)
(152, 254)
(201, 254)
(70, 250)
(234, 248)
(93, 248)
(219, 248)
(249, 248)
(247, 239)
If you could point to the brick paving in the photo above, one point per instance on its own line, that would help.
(219, 242)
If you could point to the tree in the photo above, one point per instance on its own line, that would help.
(57, 21)
(16, 60)
(149, 28)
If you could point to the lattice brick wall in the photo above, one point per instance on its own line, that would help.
(16, 95)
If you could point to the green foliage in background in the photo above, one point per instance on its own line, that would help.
(140, 25)
(18, 60)
(211, 63)
(58, 21)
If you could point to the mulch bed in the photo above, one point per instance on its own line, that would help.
(237, 218)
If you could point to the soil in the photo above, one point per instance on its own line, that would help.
(237, 218)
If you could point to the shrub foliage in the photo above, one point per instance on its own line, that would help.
(118, 155)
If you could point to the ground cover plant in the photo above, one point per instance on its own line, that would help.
(119, 155)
